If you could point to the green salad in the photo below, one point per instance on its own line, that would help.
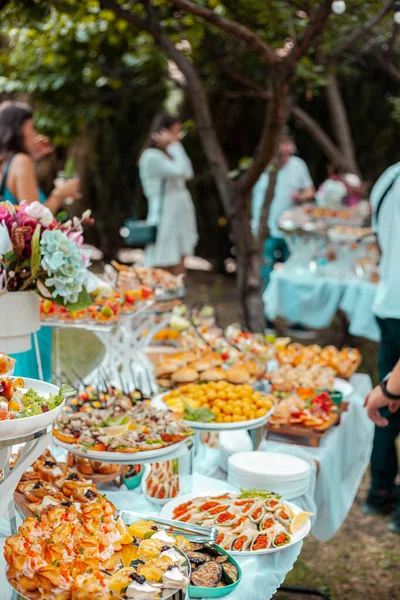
(32, 403)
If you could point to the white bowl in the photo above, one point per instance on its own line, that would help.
(29, 425)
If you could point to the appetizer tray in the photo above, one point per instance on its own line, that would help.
(312, 434)
(168, 510)
(125, 458)
(17, 427)
(157, 402)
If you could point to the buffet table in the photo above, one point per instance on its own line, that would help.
(342, 457)
(313, 301)
(262, 575)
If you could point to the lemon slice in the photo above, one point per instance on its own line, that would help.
(299, 521)
(115, 429)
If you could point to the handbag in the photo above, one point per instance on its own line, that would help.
(139, 233)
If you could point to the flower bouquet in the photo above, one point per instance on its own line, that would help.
(41, 256)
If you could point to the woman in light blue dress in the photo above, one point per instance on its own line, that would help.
(164, 169)
(19, 146)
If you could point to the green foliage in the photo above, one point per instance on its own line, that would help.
(74, 60)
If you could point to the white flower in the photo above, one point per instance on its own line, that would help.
(35, 210)
(86, 214)
(47, 217)
(5, 242)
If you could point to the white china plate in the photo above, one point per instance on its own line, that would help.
(129, 458)
(168, 510)
(157, 402)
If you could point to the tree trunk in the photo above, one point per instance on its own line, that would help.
(248, 270)
(250, 249)
(340, 124)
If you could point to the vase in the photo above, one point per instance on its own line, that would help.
(19, 318)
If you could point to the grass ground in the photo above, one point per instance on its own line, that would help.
(362, 562)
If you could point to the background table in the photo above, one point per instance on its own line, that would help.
(313, 301)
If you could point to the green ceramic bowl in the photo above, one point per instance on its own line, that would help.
(203, 592)
(132, 482)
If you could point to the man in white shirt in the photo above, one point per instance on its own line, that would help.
(385, 201)
(293, 185)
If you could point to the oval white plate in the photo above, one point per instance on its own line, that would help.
(168, 509)
(29, 425)
(129, 458)
(157, 402)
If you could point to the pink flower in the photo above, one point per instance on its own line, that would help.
(76, 236)
(6, 216)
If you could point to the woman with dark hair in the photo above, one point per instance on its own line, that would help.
(19, 147)
(164, 168)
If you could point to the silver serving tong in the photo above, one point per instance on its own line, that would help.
(193, 533)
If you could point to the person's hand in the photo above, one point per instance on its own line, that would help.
(376, 400)
(43, 147)
(162, 138)
(68, 188)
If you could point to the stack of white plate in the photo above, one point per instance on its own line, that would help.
(281, 473)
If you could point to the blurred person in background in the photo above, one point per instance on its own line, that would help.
(164, 169)
(20, 146)
(383, 496)
(293, 186)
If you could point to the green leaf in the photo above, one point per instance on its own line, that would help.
(67, 390)
(62, 216)
(10, 256)
(36, 254)
(197, 414)
(84, 300)
(69, 167)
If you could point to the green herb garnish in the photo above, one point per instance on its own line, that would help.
(202, 414)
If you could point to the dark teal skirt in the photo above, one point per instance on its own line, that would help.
(27, 366)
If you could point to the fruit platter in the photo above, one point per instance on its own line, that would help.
(28, 405)
(108, 435)
(218, 406)
(252, 522)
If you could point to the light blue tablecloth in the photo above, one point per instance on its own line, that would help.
(313, 301)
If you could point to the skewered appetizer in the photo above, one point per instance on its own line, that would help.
(92, 398)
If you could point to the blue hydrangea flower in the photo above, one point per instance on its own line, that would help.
(64, 264)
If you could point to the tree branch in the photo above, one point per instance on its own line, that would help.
(361, 31)
(340, 123)
(310, 32)
(239, 31)
(201, 108)
(273, 124)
